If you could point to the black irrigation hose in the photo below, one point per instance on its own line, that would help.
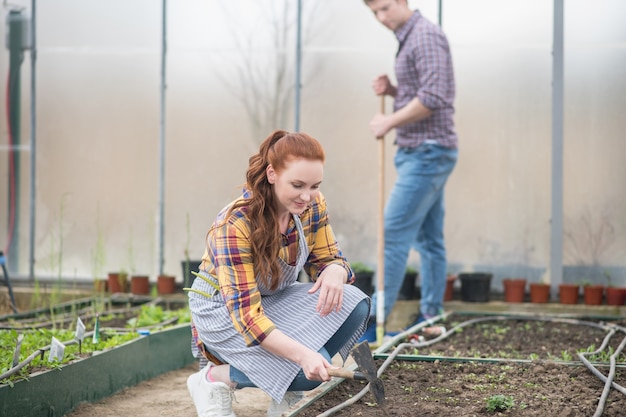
(612, 329)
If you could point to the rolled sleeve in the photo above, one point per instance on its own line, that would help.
(325, 249)
(432, 68)
(234, 268)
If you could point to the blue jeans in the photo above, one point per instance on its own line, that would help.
(330, 349)
(414, 219)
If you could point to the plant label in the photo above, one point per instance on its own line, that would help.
(80, 330)
(95, 339)
(57, 350)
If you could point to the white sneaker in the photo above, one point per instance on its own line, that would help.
(212, 399)
(290, 399)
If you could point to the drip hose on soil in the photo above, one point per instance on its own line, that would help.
(364, 391)
(612, 329)
(608, 381)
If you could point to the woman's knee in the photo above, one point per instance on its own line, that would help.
(362, 309)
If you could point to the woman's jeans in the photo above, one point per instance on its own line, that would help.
(414, 218)
(330, 349)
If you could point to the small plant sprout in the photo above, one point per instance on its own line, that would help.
(500, 403)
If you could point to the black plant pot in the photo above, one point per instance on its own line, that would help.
(188, 267)
(365, 282)
(408, 290)
(475, 286)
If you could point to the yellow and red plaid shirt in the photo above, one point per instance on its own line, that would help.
(229, 258)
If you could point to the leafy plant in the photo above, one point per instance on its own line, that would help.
(500, 402)
(38, 340)
(410, 270)
(152, 315)
(360, 267)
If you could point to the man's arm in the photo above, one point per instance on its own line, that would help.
(414, 111)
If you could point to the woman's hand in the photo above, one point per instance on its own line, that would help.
(313, 364)
(314, 367)
(330, 285)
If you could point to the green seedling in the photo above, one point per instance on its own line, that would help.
(500, 403)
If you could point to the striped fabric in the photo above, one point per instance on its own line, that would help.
(424, 70)
(229, 258)
(289, 308)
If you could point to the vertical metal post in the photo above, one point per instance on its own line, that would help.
(440, 17)
(556, 232)
(298, 67)
(162, 139)
(15, 24)
(33, 139)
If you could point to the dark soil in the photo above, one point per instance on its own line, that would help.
(456, 376)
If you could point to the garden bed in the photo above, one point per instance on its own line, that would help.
(514, 366)
(134, 340)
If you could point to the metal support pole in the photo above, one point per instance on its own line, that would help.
(298, 67)
(15, 24)
(162, 139)
(556, 232)
(440, 17)
(33, 139)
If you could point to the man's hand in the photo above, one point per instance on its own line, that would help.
(380, 125)
(382, 86)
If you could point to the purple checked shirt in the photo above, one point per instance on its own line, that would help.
(424, 70)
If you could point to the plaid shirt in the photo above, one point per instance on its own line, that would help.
(229, 258)
(424, 70)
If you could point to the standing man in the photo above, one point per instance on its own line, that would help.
(427, 152)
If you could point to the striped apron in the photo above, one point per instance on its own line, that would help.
(289, 307)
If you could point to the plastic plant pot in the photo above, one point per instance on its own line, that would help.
(475, 286)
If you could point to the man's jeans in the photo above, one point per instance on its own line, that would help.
(414, 218)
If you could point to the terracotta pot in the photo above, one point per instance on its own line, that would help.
(539, 292)
(568, 293)
(593, 294)
(140, 284)
(166, 284)
(514, 290)
(118, 282)
(615, 296)
(449, 294)
(475, 286)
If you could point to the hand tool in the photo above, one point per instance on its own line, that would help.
(362, 356)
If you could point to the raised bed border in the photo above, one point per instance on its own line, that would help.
(56, 392)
